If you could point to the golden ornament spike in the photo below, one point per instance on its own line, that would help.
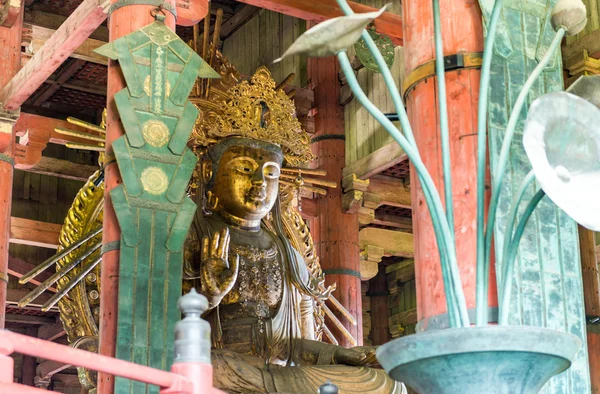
(337, 323)
(307, 171)
(70, 284)
(286, 81)
(214, 45)
(205, 34)
(291, 94)
(327, 331)
(42, 267)
(79, 134)
(312, 181)
(89, 126)
(340, 308)
(313, 189)
(56, 276)
(97, 148)
(196, 31)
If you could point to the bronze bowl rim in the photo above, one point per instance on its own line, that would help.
(492, 338)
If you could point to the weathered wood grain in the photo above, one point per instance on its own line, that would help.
(34, 233)
(69, 36)
(320, 10)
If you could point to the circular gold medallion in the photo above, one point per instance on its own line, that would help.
(154, 180)
(155, 133)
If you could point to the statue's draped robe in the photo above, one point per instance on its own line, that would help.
(273, 365)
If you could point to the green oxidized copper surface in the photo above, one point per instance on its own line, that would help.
(489, 359)
(151, 205)
(547, 289)
(385, 46)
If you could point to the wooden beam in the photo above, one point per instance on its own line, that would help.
(29, 319)
(35, 132)
(238, 20)
(38, 17)
(51, 332)
(391, 191)
(18, 268)
(320, 10)
(15, 295)
(62, 169)
(69, 380)
(34, 233)
(376, 162)
(69, 36)
(9, 12)
(590, 274)
(398, 222)
(85, 51)
(394, 243)
(49, 368)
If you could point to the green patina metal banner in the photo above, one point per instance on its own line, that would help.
(151, 205)
(548, 283)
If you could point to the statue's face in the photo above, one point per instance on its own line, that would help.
(247, 182)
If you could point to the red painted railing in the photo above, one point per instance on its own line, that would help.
(185, 378)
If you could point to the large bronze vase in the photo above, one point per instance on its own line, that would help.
(491, 359)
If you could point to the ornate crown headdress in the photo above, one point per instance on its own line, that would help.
(255, 109)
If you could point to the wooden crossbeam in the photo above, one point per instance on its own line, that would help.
(48, 368)
(62, 169)
(51, 332)
(391, 191)
(35, 132)
(398, 222)
(394, 243)
(238, 20)
(41, 18)
(34, 233)
(69, 36)
(15, 295)
(18, 268)
(28, 319)
(39, 35)
(320, 10)
(376, 162)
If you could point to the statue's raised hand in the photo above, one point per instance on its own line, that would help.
(218, 269)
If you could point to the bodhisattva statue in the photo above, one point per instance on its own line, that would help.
(261, 292)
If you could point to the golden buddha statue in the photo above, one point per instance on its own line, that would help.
(249, 251)
(263, 297)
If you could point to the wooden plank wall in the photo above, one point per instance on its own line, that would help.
(363, 134)
(593, 23)
(263, 39)
(45, 198)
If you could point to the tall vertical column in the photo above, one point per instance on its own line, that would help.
(10, 58)
(122, 21)
(462, 35)
(336, 233)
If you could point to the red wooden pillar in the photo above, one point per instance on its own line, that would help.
(462, 33)
(380, 312)
(10, 58)
(336, 233)
(123, 21)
